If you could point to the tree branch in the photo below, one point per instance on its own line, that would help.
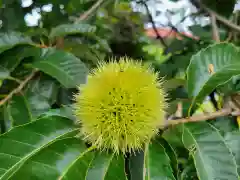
(86, 14)
(158, 36)
(203, 117)
(18, 89)
(219, 17)
(215, 32)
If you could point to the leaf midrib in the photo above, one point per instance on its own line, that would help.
(200, 153)
(215, 74)
(25, 158)
(79, 157)
(229, 149)
(56, 67)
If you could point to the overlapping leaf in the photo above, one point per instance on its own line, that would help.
(10, 59)
(11, 39)
(65, 67)
(233, 141)
(40, 94)
(18, 110)
(23, 142)
(47, 149)
(68, 29)
(212, 157)
(153, 164)
(210, 68)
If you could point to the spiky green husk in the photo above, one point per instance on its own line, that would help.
(121, 106)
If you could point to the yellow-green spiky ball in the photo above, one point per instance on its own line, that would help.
(121, 106)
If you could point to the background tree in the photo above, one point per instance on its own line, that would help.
(41, 66)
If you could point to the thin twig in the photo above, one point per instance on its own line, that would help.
(158, 36)
(202, 117)
(86, 14)
(215, 32)
(18, 89)
(220, 18)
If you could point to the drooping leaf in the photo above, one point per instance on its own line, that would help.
(41, 93)
(6, 120)
(212, 157)
(233, 141)
(64, 159)
(44, 86)
(156, 154)
(136, 165)
(4, 73)
(23, 142)
(65, 67)
(18, 110)
(156, 161)
(11, 39)
(106, 166)
(68, 29)
(10, 59)
(210, 68)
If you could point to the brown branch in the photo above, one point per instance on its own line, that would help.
(215, 32)
(86, 14)
(220, 18)
(158, 36)
(202, 117)
(18, 89)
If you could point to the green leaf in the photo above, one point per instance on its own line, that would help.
(11, 39)
(68, 29)
(173, 83)
(136, 165)
(212, 157)
(6, 120)
(10, 59)
(4, 73)
(222, 59)
(18, 110)
(233, 141)
(41, 93)
(65, 111)
(173, 136)
(64, 159)
(63, 66)
(23, 142)
(106, 166)
(225, 124)
(157, 164)
(44, 86)
(87, 53)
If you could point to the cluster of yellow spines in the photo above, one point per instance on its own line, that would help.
(121, 106)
